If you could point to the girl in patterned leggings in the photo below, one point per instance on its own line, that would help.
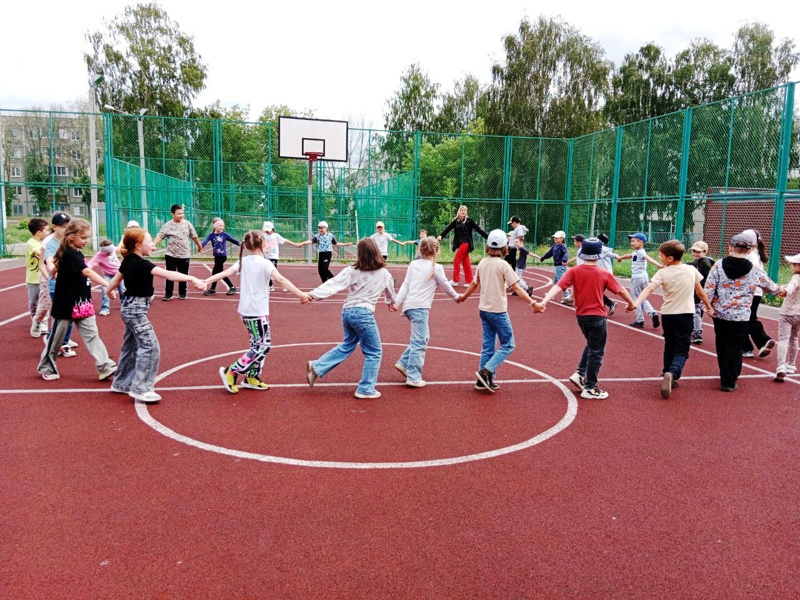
(255, 272)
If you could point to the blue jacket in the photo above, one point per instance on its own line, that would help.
(559, 253)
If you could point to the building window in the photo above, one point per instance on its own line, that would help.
(18, 209)
(16, 171)
(62, 133)
(76, 173)
(14, 134)
(57, 152)
(77, 193)
(33, 134)
(77, 211)
(62, 172)
(75, 135)
(16, 152)
(18, 190)
(76, 154)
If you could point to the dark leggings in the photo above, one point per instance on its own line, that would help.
(181, 265)
(219, 267)
(755, 330)
(323, 265)
(274, 261)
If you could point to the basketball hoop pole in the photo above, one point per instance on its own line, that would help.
(312, 157)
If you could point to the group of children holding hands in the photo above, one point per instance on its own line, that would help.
(724, 289)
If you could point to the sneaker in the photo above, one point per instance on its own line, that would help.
(765, 351)
(727, 388)
(71, 344)
(791, 369)
(611, 309)
(594, 394)
(311, 376)
(181, 297)
(578, 380)
(479, 386)
(400, 368)
(167, 298)
(697, 339)
(43, 329)
(272, 288)
(372, 396)
(780, 376)
(568, 301)
(209, 292)
(228, 380)
(231, 291)
(285, 290)
(67, 352)
(50, 376)
(637, 324)
(146, 397)
(454, 283)
(106, 373)
(254, 383)
(666, 384)
(104, 312)
(117, 390)
(486, 378)
(35, 331)
(747, 355)
(416, 384)
(656, 321)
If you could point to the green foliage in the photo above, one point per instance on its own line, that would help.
(147, 62)
(37, 176)
(758, 63)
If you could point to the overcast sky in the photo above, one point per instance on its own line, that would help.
(344, 59)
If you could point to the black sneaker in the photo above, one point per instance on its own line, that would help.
(486, 378)
(727, 388)
(167, 298)
(697, 339)
(231, 291)
(637, 324)
(181, 297)
(209, 292)
(656, 321)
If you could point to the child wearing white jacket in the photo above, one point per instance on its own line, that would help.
(416, 295)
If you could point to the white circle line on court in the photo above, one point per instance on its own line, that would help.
(564, 422)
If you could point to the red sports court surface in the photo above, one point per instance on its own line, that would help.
(442, 492)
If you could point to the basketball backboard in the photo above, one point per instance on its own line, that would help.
(299, 137)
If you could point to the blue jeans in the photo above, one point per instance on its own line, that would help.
(414, 356)
(595, 330)
(495, 325)
(106, 303)
(138, 359)
(560, 270)
(359, 328)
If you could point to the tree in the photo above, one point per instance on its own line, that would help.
(462, 107)
(551, 84)
(147, 61)
(37, 178)
(757, 62)
(703, 73)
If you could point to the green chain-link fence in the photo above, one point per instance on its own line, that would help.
(702, 173)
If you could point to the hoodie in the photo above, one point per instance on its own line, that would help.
(730, 286)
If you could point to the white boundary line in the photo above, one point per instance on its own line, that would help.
(566, 420)
(25, 314)
(13, 287)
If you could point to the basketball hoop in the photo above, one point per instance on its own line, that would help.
(313, 156)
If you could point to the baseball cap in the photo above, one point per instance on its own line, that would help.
(700, 246)
(268, 226)
(497, 239)
(742, 240)
(751, 236)
(579, 237)
(793, 259)
(60, 218)
(132, 223)
(379, 224)
(638, 235)
(514, 219)
(323, 224)
(559, 234)
(591, 249)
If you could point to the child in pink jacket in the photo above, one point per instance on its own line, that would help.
(106, 258)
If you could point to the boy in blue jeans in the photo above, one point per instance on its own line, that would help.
(559, 253)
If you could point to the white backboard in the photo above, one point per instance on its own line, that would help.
(298, 136)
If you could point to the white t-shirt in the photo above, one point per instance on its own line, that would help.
(754, 258)
(363, 287)
(678, 283)
(419, 287)
(271, 248)
(254, 274)
(382, 239)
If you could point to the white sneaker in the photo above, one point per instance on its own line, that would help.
(285, 290)
(116, 390)
(272, 288)
(146, 397)
(372, 396)
(747, 355)
(400, 368)
(43, 328)
(416, 384)
(50, 376)
(578, 381)
(71, 344)
(67, 352)
(105, 374)
(35, 331)
(104, 312)
(594, 394)
(454, 283)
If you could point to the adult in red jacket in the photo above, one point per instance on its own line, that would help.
(463, 227)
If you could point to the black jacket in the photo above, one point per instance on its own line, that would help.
(463, 232)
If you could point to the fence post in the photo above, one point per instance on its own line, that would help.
(108, 153)
(568, 185)
(684, 174)
(780, 184)
(216, 143)
(612, 228)
(506, 182)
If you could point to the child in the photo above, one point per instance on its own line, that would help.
(382, 239)
(106, 258)
(559, 253)
(219, 239)
(273, 241)
(52, 243)
(605, 262)
(416, 296)
(517, 230)
(366, 281)
(325, 243)
(590, 283)
(640, 279)
(33, 255)
(789, 323)
(761, 344)
(522, 260)
(131, 224)
(577, 242)
(423, 233)
(255, 272)
(731, 285)
(703, 263)
(494, 275)
(681, 285)
(72, 303)
(138, 359)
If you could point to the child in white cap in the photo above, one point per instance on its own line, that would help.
(494, 275)
(382, 238)
(640, 279)
(703, 263)
(325, 243)
(271, 249)
(789, 323)
(559, 253)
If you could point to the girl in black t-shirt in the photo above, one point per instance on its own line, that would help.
(138, 359)
(72, 303)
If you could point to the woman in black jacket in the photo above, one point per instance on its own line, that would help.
(462, 243)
